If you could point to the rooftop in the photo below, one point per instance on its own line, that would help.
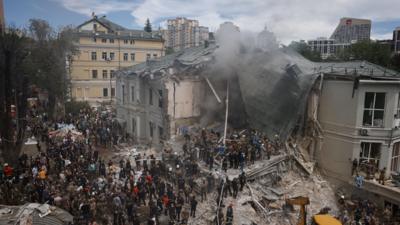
(117, 30)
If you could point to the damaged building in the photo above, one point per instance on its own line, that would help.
(332, 113)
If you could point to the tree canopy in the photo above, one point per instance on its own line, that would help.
(34, 58)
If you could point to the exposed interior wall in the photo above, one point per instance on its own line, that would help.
(337, 116)
(184, 101)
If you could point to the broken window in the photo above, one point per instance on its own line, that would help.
(112, 92)
(160, 98)
(151, 129)
(374, 108)
(160, 132)
(132, 93)
(133, 125)
(150, 96)
(122, 94)
(370, 152)
(395, 165)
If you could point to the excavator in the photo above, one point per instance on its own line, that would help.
(323, 219)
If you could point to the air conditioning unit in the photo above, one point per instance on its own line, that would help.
(363, 132)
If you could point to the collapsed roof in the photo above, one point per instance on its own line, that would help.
(273, 86)
(35, 214)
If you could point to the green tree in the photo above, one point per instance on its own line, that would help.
(370, 51)
(169, 50)
(51, 52)
(147, 26)
(38, 59)
(14, 52)
(303, 49)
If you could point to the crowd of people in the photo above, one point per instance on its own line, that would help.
(69, 172)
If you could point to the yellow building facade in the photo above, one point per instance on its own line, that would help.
(105, 47)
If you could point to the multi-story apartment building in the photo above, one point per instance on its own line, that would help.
(184, 33)
(351, 30)
(396, 40)
(326, 47)
(105, 47)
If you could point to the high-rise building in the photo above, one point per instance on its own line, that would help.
(184, 33)
(326, 47)
(2, 21)
(105, 47)
(396, 40)
(351, 30)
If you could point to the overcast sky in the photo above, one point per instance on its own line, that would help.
(288, 19)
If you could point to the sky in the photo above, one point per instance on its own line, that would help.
(290, 20)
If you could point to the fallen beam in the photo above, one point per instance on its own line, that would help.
(213, 90)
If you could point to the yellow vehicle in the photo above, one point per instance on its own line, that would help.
(326, 220)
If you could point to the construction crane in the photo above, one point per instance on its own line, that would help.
(302, 202)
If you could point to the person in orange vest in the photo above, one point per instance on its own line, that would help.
(42, 174)
(8, 171)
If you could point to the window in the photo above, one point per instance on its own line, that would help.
(94, 74)
(105, 92)
(112, 74)
(370, 152)
(132, 42)
(398, 106)
(160, 132)
(160, 98)
(132, 93)
(148, 56)
(374, 108)
(151, 128)
(104, 74)
(123, 94)
(104, 55)
(125, 41)
(111, 41)
(132, 56)
(94, 26)
(154, 55)
(125, 56)
(94, 56)
(395, 165)
(151, 96)
(133, 125)
(112, 55)
(103, 40)
(94, 40)
(112, 92)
